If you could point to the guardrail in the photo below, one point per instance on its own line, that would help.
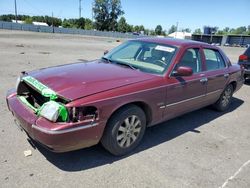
(48, 29)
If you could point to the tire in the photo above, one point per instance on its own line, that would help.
(124, 131)
(225, 99)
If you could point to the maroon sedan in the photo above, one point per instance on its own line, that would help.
(113, 100)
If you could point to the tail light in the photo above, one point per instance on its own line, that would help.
(243, 58)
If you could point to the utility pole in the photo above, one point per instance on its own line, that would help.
(92, 11)
(15, 12)
(80, 8)
(53, 31)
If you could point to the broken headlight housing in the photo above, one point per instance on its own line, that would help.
(83, 113)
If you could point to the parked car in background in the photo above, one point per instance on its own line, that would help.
(244, 61)
(113, 100)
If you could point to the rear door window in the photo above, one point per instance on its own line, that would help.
(214, 60)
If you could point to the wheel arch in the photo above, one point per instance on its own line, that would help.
(144, 106)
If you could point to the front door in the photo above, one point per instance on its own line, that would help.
(186, 93)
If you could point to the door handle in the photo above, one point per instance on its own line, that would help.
(226, 75)
(203, 80)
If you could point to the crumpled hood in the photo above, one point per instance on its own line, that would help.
(78, 80)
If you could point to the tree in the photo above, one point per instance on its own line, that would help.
(146, 32)
(172, 29)
(28, 21)
(197, 31)
(136, 29)
(186, 30)
(158, 30)
(226, 30)
(116, 11)
(88, 24)
(164, 33)
(7, 18)
(220, 32)
(232, 31)
(241, 30)
(80, 23)
(51, 20)
(122, 25)
(130, 28)
(106, 13)
(141, 28)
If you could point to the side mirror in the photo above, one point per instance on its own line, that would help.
(183, 71)
(105, 52)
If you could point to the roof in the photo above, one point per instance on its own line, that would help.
(171, 41)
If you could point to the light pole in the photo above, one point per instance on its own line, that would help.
(15, 12)
(53, 31)
(80, 9)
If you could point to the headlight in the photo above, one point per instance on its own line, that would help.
(53, 111)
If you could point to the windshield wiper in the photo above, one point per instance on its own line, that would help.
(119, 63)
(107, 59)
(127, 65)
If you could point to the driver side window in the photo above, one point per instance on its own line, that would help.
(192, 59)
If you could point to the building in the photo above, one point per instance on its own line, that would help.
(40, 23)
(180, 35)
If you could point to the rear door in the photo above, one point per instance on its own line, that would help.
(216, 73)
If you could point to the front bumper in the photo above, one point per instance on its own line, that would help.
(58, 137)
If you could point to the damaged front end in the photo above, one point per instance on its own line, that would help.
(42, 100)
(51, 119)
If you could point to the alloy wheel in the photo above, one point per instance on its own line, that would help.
(128, 131)
(226, 97)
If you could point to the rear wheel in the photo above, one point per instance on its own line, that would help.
(225, 99)
(125, 130)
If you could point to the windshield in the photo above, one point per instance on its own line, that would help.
(146, 56)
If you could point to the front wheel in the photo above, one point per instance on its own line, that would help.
(125, 130)
(225, 99)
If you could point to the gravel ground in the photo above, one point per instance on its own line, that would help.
(200, 149)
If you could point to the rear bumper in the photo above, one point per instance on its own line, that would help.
(246, 66)
(247, 71)
(58, 137)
